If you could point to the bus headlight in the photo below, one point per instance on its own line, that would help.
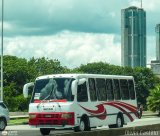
(66, 115)
(32, 116)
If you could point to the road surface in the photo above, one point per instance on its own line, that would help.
(25, 130)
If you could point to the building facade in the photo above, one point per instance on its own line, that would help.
(133, 37)
(155, 64)
(157, 29)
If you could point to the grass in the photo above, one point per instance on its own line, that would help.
(18, 121)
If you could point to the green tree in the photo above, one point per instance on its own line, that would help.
(15, 76)
(100, 68)
(153, 100)
(145, 80)
(43, 66)
(18, 71)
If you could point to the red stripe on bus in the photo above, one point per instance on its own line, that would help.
(100, 109)
(127, 107)
(100, 112)
(118, 107)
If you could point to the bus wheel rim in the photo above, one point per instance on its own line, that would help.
(2, 124)
(119, 122)
(82, 125)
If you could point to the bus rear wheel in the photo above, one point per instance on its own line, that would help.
(45, 131)
(119, 122)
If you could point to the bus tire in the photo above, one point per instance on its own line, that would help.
(45, 131)
(84, 125)
(3, 124)
(119, 121)
(139, 113)
(112, 126)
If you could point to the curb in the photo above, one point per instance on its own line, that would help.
(139, 130)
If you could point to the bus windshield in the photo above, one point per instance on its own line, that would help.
(53, 88)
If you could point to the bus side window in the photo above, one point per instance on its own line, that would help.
(82, 93)
(131, 89)
(92, 89)
(117, 95)
(109, 89)
(124, 89)
(101, 91)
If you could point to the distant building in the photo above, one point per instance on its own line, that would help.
(157, 29)
(155, 64)
(133, 37)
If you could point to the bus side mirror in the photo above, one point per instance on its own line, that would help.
(81, 81)
(74, 87)
(25, 89)
(75, 83)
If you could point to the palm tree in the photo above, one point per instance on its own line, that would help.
(153, 100)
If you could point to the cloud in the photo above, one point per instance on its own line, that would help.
(73, 31)
(147, 5)
(71, 48)
(48, 17)
(41, 17)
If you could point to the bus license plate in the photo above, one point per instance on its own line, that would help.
(48, 116)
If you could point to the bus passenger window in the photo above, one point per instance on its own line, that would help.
(124, 89)
(101, 91)
(109, 88)
(117, 95)
(82, 93)
(92, 89)
(131, 89)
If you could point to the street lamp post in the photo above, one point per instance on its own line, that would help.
(2, 54)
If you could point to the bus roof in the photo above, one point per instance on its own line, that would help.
(76, 76)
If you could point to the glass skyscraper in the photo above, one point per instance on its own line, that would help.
(133, 37)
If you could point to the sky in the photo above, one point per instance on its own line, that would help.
(73, 31)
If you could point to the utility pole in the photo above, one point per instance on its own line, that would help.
(2, 53)
(141, 3)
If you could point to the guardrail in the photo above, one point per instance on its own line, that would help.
(18, 115)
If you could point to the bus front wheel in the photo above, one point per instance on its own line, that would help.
(45, 131)
(84, 125)
(2, 124)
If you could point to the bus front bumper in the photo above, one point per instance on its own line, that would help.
(57, 119)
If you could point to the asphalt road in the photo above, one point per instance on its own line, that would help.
(25, 130)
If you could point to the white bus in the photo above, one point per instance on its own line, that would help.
(81, 101)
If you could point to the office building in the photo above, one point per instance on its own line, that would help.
(157, 29)
(133, 37)
(155, 64)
